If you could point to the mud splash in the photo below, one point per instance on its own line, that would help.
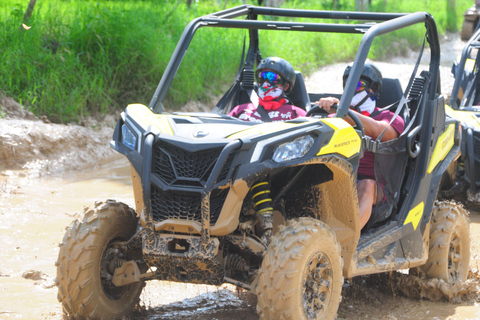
(416, 287)
(224, 302)
(380, 297)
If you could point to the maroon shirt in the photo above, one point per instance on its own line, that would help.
(366, 163)
(248, 112)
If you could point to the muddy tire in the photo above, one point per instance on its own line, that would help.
(301, 274)
(449, 249)
(468, 28)
(83, 269)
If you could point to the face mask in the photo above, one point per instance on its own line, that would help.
(267, 92)
(365, 108)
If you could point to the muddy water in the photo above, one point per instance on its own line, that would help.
(33, 216)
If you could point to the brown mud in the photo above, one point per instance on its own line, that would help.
(49, 172)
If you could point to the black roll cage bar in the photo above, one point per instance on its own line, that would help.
(473, 42)
(226, 19)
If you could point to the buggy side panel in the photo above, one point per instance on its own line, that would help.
(441, 149)
(403, 241)
(444, 144)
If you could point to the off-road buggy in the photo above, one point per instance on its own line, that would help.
(271, 207)
(464, 174)
(470, 21)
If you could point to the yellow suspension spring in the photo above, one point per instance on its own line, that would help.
(262, 202)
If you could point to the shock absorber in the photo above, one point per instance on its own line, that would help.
(262, 203)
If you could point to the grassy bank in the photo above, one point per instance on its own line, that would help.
(81, 57)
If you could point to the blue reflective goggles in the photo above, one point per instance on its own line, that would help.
(271, 77)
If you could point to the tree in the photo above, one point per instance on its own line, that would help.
(361, 5)
(28, 13)
(451, 16)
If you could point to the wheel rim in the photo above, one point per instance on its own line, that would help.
(454, 257)
(316, 289)
(111, 260)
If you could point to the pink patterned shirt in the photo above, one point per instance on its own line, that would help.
(248, 112)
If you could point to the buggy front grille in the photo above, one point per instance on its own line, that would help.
(175, 205)
(185, 205)
(179, 167)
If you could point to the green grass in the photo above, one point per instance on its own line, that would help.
(83, 57)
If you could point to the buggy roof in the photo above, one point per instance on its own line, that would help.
(384, 23)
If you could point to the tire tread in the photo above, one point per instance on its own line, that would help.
(76, 262)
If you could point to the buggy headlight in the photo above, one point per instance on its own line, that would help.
(293, 150)
(129, 138)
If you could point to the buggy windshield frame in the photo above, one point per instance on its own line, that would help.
(375, 24)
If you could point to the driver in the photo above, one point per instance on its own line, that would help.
(374, 121)
(275, 78)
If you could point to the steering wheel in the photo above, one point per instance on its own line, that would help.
(317, 109)
(356, 120)
(351, 113)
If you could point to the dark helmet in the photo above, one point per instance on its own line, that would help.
(371, 74)
(280, 66)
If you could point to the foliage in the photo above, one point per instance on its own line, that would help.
(80, 57)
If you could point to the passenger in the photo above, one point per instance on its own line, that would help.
(275, 77)
(370, 193)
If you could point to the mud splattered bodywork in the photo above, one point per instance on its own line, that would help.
(194, 174)
(200, 222)
(184, 259)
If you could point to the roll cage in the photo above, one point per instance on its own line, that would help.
(382, 23)
(466, 78)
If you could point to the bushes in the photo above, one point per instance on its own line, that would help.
(81, 57)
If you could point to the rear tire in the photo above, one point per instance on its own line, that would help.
(468, 28)
(301, 274)
(86, 259)
(449, 249)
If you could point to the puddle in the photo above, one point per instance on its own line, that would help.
(35, 212)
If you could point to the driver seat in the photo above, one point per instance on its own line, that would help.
(299, 95)
(391, 92)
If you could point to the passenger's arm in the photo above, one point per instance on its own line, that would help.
(373, 128)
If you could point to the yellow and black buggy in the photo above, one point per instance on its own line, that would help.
(271, 207)
(463, 176)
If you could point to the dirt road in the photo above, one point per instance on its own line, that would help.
(49, 172)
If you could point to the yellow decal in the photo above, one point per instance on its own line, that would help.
(469, 64)
(345, 140)
(468, 118)
(263, 128)
(444, 144)
(162, 123)
(415, 215)
(145, 117)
